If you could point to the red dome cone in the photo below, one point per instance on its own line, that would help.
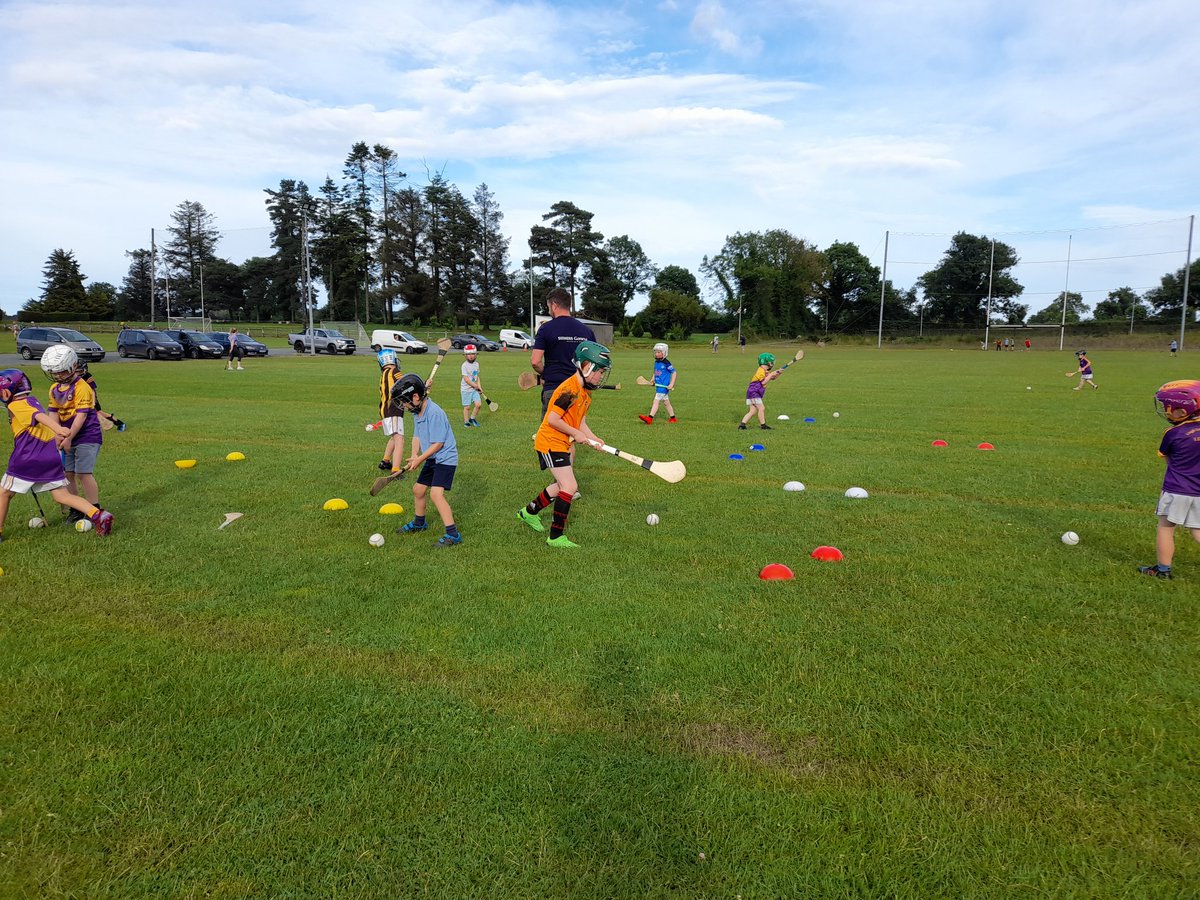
(776, 572)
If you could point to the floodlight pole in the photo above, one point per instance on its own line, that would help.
(1187, 270)
(202, 328)
(531, 287)
(153, 274)
(1062, 331)
(987, 325)
(882, 293)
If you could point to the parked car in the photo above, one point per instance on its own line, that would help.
(459, 341)
(511, 337)
(149, 343)
(329, 340)
(401, 341)
(249, 346)
(33, 342)
(196, 345)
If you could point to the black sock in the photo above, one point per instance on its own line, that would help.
(418, 521)
(536, 505)
(562, 509)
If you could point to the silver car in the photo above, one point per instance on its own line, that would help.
(33, 342)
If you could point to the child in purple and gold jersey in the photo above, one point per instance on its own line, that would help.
(1179, 504)
(35, 465)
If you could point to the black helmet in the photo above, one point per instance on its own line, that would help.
(409, 391)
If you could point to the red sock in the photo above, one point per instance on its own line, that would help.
(562, 509)
(538, 504)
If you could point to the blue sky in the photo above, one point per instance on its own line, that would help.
(677, 123)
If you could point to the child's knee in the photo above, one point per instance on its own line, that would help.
(419, 490)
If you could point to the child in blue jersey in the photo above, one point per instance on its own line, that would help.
(1084, 371)
(35, 464)
(1179, 504)
(664, 383)
(435, 452)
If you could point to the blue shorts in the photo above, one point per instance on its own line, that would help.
(435, 474)
(469, 396)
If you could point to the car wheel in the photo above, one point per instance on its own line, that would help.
(151, 353)
(26, 353)
(122, 352)
(194, 353)
(408, 350)
(504, 344)
(298, 346)
(375, 347)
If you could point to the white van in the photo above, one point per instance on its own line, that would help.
(510, 337)
(400, 341)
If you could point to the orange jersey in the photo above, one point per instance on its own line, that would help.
(571, 401)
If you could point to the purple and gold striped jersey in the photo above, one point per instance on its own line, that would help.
(77, 397)
(35, 455)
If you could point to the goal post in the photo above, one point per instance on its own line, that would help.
(190, 323)
(351, 330)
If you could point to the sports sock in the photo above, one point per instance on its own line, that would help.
(418, 521)
(562, 509)
(452, 530)
(535, 506)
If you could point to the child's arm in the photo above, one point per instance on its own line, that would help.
(51, 422)
(671, 386)
(582, 435)
(416, 461)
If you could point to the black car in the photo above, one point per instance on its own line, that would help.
(249, 346)
(196, 345)
(149, 343)
(481, 343)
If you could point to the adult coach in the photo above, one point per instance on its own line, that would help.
(553, 356)
(235, 351)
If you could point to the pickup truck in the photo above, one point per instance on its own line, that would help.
(329, 340)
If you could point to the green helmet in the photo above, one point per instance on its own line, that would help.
(590, 351)
(766, 359)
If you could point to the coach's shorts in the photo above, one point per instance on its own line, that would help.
(469, 397)
(435, 474)
(81, 459)
(554, 459)
(393, 425)
(21, 486)
(1180, 509)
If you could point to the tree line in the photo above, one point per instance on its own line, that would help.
(385, 250)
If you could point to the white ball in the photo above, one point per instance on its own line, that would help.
(83, 525)
(856, 493)
(652, 519)
(37, 522)
(794, 486)
(1070, 538)
(1029, 387)
(375, 540)
(368, 428)
(837, 415)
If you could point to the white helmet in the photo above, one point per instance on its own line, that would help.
(660, 346)
(59, 360)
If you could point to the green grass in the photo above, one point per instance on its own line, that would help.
(964, 706)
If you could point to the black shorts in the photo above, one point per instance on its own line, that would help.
(434, 474)
(236, 353)
(554, 459)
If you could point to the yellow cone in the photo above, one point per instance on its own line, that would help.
(235, 456)
(391, 509)
(336, 503)
(185, 463)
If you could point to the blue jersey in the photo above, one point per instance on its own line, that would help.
(663, 370)
(431, 426)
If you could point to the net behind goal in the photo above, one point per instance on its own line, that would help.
(189, 323)
(350, 329)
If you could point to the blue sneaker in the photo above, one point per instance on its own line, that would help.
(448, 540)
(410, 527)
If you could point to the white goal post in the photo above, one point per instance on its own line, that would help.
(190, 323)
(351, 330)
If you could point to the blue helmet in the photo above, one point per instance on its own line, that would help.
(14, 380)
(386, 358)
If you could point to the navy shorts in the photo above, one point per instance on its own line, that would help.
(434, 474)
(554, 459)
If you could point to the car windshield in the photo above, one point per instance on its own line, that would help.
(406, 336)
(195, 335)
(68, 335)
(333, 332)
(155, 336)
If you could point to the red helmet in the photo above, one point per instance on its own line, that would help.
(1178, 401)
(470, 348)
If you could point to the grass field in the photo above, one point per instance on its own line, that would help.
(963, 706)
